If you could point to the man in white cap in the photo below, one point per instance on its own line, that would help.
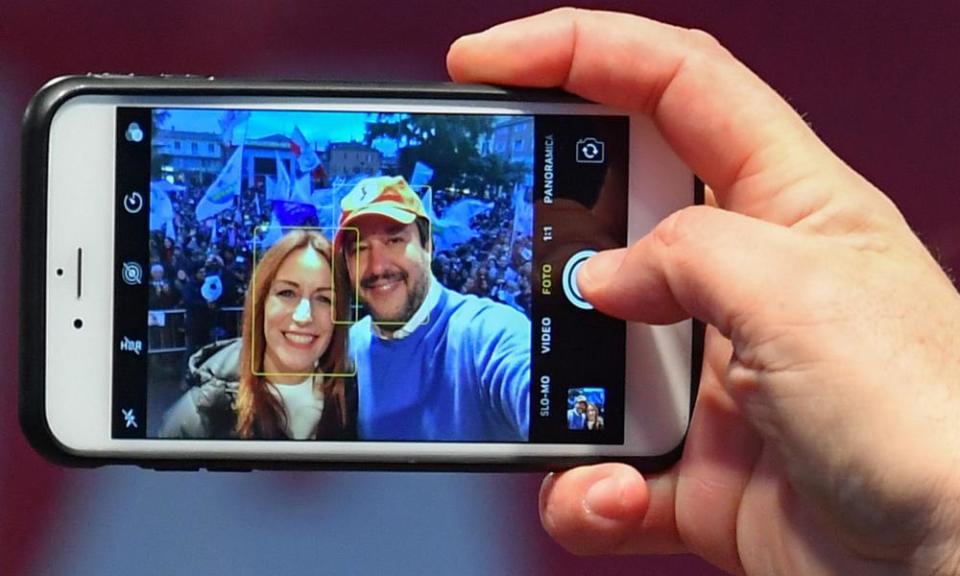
(577, 416)
(432, 364)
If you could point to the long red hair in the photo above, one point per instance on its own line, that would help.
(259, 412)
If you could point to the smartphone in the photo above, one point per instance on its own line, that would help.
(254, 274)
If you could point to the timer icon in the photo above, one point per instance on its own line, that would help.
(133, 202)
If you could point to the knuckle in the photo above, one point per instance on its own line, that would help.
(681, 227)
(704, 52)
(568, 11)
(703, 41)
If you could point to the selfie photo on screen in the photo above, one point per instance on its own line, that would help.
(340, 275)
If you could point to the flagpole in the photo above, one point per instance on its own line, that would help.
(517, 198)
(243, 141)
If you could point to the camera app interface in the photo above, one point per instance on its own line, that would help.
(327, 275)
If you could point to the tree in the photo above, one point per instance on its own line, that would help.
(448, 144)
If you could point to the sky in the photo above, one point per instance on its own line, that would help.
(318, 127)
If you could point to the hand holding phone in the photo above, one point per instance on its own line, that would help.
(828, 404)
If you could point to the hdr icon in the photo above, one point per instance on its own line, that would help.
(128, 345)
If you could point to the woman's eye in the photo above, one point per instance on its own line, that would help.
(285, 293)
(322, 299)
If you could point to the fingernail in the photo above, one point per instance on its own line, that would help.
(605, 498)
(469, 37)
(547, 485)
(599, 268)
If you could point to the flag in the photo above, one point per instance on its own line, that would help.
(463, 211)
(297, 209)
(427, 200)
(224, 189)
(322, 199)
(307, 158)
(454, 226)
(171, 233)
(340, 188)
(422, 174)
(168, 187)
(279, 189)
(271, 233)
(292, 214)
(230, 120)
(161, 209)
(302, 190)
(522, 215)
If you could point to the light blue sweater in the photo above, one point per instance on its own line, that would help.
(464, 375)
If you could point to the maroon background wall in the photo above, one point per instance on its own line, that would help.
(878, 81)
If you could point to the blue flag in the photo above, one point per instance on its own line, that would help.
(422, 174)
(292, 214)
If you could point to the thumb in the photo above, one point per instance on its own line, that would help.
(718, 266)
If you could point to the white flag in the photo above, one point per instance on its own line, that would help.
(279, 189)
(307, 158)
(302, 190)
(272, 234)
(230, 120)
(224, 189)
(161, 209)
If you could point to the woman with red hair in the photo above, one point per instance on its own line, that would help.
(288, 376)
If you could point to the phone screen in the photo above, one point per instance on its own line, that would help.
(333, 275)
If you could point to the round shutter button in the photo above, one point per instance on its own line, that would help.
(570, 271)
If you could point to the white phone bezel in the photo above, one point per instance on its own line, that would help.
(79, 360)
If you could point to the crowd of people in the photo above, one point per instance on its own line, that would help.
(495, 263)
(294, 372)
(181, 264)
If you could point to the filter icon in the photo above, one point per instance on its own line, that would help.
(132, 273)
(134, 133)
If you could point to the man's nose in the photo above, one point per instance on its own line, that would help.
(376, 260)
(302, 314)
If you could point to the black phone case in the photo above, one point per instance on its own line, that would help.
(34, 160)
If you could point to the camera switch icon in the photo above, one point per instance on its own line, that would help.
(590, 151)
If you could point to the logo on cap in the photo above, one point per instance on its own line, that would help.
(387, 196)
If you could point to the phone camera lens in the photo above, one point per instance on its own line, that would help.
(78, 323)
(59, 271)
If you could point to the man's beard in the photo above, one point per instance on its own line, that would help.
(415, 297)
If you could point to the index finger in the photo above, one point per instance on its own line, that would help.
(731, 128)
